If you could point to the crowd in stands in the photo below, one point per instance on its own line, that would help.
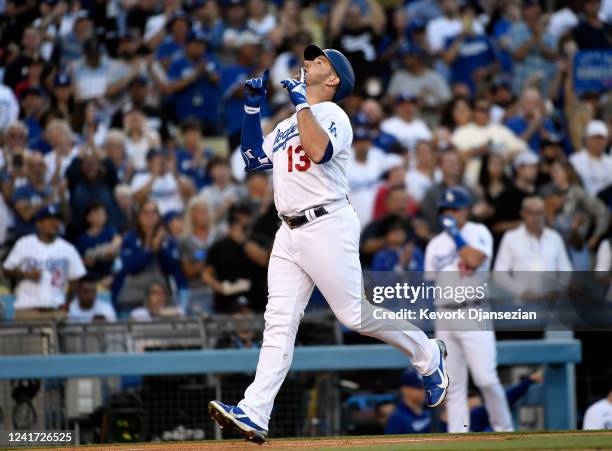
(120, 122)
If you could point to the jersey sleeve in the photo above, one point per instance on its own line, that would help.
(337, 126)
(14, 258)
(76, 268)
(268, 143)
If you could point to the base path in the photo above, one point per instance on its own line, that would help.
(485, 441)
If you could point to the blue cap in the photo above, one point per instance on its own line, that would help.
(156, 152)
(50, 211)
(406, 96)
(62, 79)
(341, 65)
(199, 4)
(361, 133)
(455, 198)
(226, 3)
(179, 15)
(170, 215)
(36, 90)
(198, 36)
(411, 378)
(409, 48)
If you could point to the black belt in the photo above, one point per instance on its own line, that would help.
(301, 219)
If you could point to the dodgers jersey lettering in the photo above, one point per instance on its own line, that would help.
(300, 183)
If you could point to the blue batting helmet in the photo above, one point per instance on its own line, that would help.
(455, 198)
(341, 65)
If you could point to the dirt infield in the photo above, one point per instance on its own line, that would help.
(508, 441)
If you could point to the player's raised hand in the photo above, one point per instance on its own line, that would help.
(297, 89)
(255, 90)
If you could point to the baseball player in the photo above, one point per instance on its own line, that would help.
(454, 258)
(318, 240)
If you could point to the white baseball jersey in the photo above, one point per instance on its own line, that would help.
(441, 253)
(599, 415)
(59, 262)
(299, 183)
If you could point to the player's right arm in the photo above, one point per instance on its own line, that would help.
(251, 139)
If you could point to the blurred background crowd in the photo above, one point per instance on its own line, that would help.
(120, 120)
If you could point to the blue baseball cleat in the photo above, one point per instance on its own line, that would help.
(436, 384)
(232, 417)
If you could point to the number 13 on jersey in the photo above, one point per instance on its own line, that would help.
(302, 162)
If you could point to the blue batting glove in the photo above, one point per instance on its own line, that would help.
(297, 91)
(449, 224)
(255, 90)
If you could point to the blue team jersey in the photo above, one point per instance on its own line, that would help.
(404, 421)
(87, 243)
(199, 175)
(201, 98)
(475, 52)
(518, 125)
(387, 260)
(169, 49)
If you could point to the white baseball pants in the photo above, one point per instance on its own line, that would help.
(474, 350)
(325, 253)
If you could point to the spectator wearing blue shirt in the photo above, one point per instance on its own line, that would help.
(147, 256)
(531, 123)
(410, 416)
(99, 244)
(207, 20)
(193, 158)
(194, 79)
(32, 110)
(248, 57)
(469, 55)
(173, 46)
(533, 49)
(399, 254)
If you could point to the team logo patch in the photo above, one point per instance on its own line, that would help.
(332, 129)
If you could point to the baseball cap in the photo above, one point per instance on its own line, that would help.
(178, 15)
(405, 96)
(247, 38)
(361, 119)
(50, 211)
(409, 48)
(550, 140)
(596, 128)
(524, 159)
(361, 133)
(32, 90)
(82, 14)
(410, 378)
(62, 79)
(455, 197)
(226, 3)
(196, 36)
(170, 215)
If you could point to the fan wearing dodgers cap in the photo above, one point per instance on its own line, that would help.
(318, 240)
(410, 415)
(458, 257)
(593, 164)
(43, 264)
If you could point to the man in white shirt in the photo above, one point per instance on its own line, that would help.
(459, 257)
(592, 164)
(529, 250)
(162, 184)
(9, 107)
(87, 308)
(45, 267)
(405, 126)
(364, 170)
(599, 414)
